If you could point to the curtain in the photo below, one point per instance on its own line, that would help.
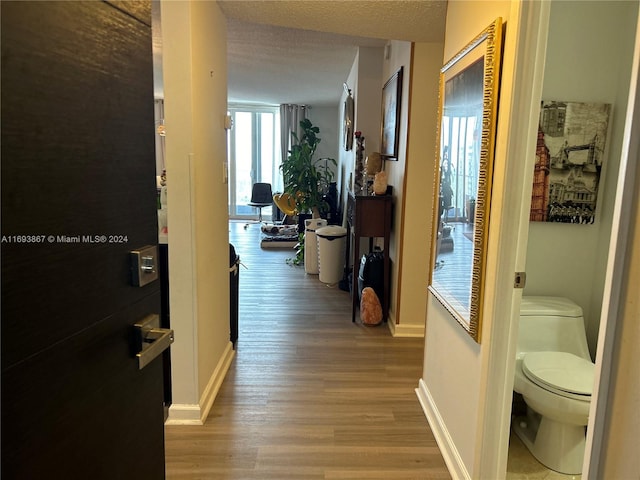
(290, 118)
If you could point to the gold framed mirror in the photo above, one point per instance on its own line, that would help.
(466, 130)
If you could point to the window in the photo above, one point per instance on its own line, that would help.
(254, 155)
(459, 175)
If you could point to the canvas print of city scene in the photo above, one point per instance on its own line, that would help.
(569, 156)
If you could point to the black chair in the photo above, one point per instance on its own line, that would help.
(261, 197)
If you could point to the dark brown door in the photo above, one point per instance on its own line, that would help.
(78, 193)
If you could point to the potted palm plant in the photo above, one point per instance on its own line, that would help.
(307, 179)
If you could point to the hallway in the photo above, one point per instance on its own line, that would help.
(309, 395)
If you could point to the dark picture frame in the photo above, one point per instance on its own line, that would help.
(391, 98)
(347, 120)
(467, 112)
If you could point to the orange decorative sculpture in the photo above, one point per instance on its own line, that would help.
(370, 308)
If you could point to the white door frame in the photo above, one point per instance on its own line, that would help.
(528, 34)
(618, 257)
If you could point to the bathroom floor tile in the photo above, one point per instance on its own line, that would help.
(521, 465)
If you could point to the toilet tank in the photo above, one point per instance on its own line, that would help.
(551, 324)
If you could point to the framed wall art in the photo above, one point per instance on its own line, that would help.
(569, 155)
(467, 114)
(347, 119)
(391, 97)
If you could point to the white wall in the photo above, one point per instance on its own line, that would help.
(195, 86)
(417, 201)
(399, 54)
(565, 259)
(346, 158)
(364, 82)
(325, 119)
(367, 94)
(453, 389)
(451, 378)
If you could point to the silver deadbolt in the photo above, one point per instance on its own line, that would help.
(144, 265)
(148, 264)
(151, 340)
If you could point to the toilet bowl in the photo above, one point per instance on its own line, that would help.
(554, 375)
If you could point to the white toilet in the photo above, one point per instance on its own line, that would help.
(554, 375)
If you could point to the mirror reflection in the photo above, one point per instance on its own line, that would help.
(460, 137)
(467, 126)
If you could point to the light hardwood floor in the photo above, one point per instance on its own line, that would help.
(309, 395)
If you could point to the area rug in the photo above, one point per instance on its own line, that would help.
(270, 242)
(279, 236)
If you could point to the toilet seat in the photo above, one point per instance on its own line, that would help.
(562, 373)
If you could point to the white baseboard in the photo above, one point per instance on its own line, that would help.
(184, 414)
(189, 414)
(215, 382)
(405, 330)
(448, 449)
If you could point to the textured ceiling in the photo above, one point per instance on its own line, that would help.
(302, 51)
(411, 20)
(273, 65)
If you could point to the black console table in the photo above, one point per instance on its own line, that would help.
(370, 217)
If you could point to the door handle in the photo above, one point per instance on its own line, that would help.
(151, 340)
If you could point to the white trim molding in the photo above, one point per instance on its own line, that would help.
(523, 69)
(612, 314)
(447, 447)
(190, 414)
(184, 414)
(405, 330)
